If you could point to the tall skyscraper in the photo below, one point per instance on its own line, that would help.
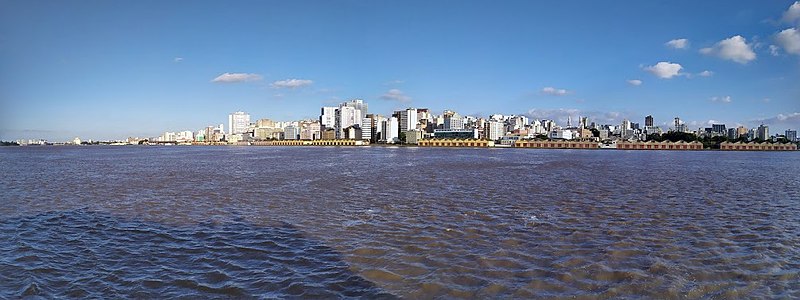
(346, 116)
(718, 128)
(238, 122)
(389, 129)
(791, 135)
(408, 119)
(327, 116)
(763, 132)
(366, 129)
(648, 121)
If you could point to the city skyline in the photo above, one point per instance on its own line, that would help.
(111, 70)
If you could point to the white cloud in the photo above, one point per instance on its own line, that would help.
(634, 82)
(766, 100)
(773, 50)
(791, 120)
(554, 91)
(705, 73)
(735, 48)
(177, 59)
(789, 39)
(664, 70)
(396, 95)
(236, 77)
(678, 44)
(725, 99)
(792, 15)
(291, 83)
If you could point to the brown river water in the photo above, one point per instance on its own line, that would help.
(383, 222)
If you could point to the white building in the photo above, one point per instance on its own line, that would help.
(408, 119)
(453, 120)
(562, 134)
(346, 116)
(327, 116)
(238, 122)
(184, 136)
(366, 129)
(495, 130)
(390, 130)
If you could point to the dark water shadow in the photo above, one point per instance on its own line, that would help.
(88, 254)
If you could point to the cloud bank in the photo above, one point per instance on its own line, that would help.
(236, 77)
(664, 69)
(734, 48)
(291, 83)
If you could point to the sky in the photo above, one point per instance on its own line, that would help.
(114, 69)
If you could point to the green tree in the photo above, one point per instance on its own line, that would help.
(402, 137)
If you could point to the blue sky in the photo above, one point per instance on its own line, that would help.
(113, 69)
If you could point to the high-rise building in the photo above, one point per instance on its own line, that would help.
(718, 128)
(741, 131)
(678, 126)
(452, 120)
(495, 130)
(763, 132)
(648, 121)
(327, 116)
(408, 119)
(389, 129)
(732, 135)
(238, 122)
(791, 135)
(346, 116)
(366, 129)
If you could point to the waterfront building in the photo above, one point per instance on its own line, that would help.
(561, 134)
(353, 132)
(455, 143)
(494, 130)
(291, 132)
(732, 134)
(718, 129)
(184, 136)
(166, 137)
(327, 116)
(346, 116)
(741, 131)
(556, 144)
(407, 119)
(328, 134)
(366, 128)
(752, 146)
(653, 145)
(413, 136)
(266, 133)
(310, 130)
(452, 120)
(763, 132)
(238, 122)
(390, 130)
(791, 135)
(456, 134)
